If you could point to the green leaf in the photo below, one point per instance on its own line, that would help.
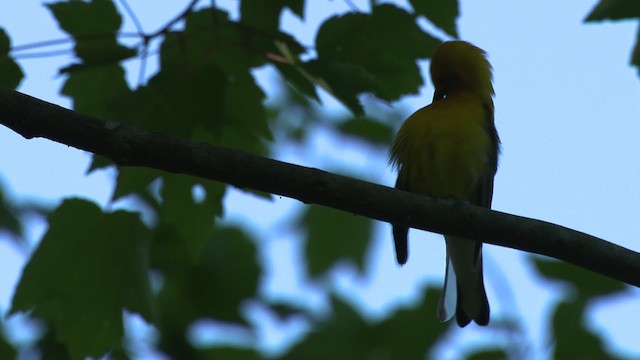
(88, 267)
(333, 235)
(10, 72)
(614, 10)
(489, 354)
(588, 284)
(99, 162)
(411, 332)
(93, 25)
(225, 275)
(7, 350)
(86, 18)
(345, 81)
(210, 38)
(407, 335)
(133, 180)
(9, 216)
(442, 14)
(244, 111)
(343, 336)
(193, 220)
(378, 50)
(94, 91)
(297, 80)
(368, 129)
(635, 56)
(572, 339)
(229, 353)
(264, 15)
(51, 348)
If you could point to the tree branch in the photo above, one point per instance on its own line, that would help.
(130, 146)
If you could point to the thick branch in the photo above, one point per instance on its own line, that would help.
(131, 146)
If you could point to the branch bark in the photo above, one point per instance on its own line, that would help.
(130, 146)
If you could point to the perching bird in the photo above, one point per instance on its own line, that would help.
(449, 149)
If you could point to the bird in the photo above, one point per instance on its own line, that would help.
(450, 149)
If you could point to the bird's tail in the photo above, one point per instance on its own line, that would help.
(464, 284)
(401, 243)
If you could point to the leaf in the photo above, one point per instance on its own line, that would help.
(244, 111)
(10, 72)
(368, 129)
(204, 89)
(229, 353)
(264, 15)
(93, 25)
(377, 51)
(193, 220)
(588, 284)
(407, 335)
(133, 180)
(488, 354)
(572, 339)
(94, 91)
(614, 10)
(411, 332)
(88, 267)
(333, 235)
(635, 56)
(86, 18)
(7, 350)
(9, 216)
(297, 80)
(343, 336)
(345, 81)
(210, 38)
(442, 14)
(225, 275)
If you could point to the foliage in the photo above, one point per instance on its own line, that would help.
(182, 264)
(618, 10)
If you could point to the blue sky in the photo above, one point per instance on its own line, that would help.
(567, 111)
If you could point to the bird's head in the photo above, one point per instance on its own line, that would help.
(459, 66)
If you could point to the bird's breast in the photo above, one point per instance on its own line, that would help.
(448, 149)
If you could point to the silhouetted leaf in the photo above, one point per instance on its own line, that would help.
(133, 180)
(10, 72)
(9, 216)
(635, 55)
(572, 339)
(229, 353)
(7, 351)
(89, 266)
(374, 53)
(587, 283)
(442, 14)
(491, 354)
(334, 235)
(614, 10)
(95, 90)
(368, 129)
(94, 25)
(345, 335)
(192, 219)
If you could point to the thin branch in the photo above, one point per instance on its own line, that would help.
(175, 20)
(44, 54)
(130, 146)
(68, 40)
(133, 16)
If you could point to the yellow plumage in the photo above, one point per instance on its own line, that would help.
(450, 149)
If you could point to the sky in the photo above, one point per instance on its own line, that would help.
(567, 111)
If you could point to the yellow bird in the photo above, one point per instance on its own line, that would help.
(450, 149)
